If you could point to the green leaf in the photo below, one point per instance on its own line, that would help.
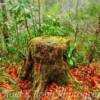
(71, 50)
(12, 80)
(74, 59)
(11, 96)
(70, 62)
(29, 17)
(12, 50)
(96, 93)
(73, 47)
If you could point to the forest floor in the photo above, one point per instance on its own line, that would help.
(88, 88)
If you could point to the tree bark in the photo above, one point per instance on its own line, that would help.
(46, 63)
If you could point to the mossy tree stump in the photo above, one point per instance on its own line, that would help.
(46, 63)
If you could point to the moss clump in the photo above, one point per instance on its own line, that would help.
(51, 40)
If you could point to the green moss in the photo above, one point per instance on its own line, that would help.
(51, 40)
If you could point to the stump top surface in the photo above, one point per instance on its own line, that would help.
(51, 40)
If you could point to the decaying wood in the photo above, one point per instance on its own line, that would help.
(46, 63)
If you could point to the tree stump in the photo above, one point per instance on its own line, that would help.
(46, 63)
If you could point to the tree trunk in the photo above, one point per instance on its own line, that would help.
(46, 63)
